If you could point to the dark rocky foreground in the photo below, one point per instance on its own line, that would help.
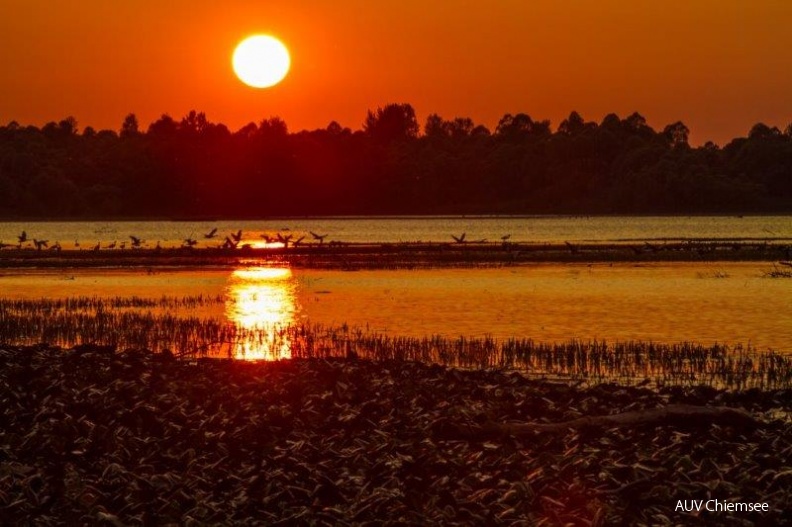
(88, 436)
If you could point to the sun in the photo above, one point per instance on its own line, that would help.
(261, 61)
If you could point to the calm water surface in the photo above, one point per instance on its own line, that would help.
(604, 229)
(729, 303)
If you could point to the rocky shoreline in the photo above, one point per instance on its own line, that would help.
(92, 436)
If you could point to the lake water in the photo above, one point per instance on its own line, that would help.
(557, 229)
(731, 303)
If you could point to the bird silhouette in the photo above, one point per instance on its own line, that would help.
(284, 239)
(505, 237)
(211, 234)
(112, 245)
(319, 237)
(298, 241)
(267, 238)
(237, 237)
(40, 244)
(22, 237)
(56, 247)
(97, 246)
(460, 239)
(136, 242)
(189, 242)
(229, 244)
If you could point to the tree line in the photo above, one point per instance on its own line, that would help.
(196, 168)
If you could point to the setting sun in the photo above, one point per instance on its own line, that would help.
(261, 61)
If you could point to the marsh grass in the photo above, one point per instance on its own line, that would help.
(715, 273)
(161, 324)
(777, 272)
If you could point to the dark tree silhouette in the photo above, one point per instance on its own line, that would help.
(394, 122)
(196, 168)
(130, 127)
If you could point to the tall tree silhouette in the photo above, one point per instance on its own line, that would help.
(394, 122)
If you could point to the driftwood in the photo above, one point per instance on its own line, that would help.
(675, 414)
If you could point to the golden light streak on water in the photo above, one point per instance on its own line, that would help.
(261, 299)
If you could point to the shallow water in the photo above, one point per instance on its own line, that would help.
(730, 303)
(550, 229)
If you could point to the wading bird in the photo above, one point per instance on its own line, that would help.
(112, 245)
(460, 239)
(211, 234)
(318, 237)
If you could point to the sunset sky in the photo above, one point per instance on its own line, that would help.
(719, 66)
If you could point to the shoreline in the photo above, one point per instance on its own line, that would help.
(406, 255)
(472, 215)
(129, 437)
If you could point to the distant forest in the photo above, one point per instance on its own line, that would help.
(193, 168)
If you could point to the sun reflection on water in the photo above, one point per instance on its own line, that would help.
(261, 301)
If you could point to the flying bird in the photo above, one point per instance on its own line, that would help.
(190, 242)
(40, 244)
(136, 242)
(22, 237)
(460, 239)
(284, 239)
(211, 234)
(238, 236)
(319, 237)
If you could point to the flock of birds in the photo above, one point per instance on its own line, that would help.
(286, 238)
(232, 241)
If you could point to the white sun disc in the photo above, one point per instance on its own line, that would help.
(261, 61)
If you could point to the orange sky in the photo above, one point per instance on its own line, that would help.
(718, 65)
